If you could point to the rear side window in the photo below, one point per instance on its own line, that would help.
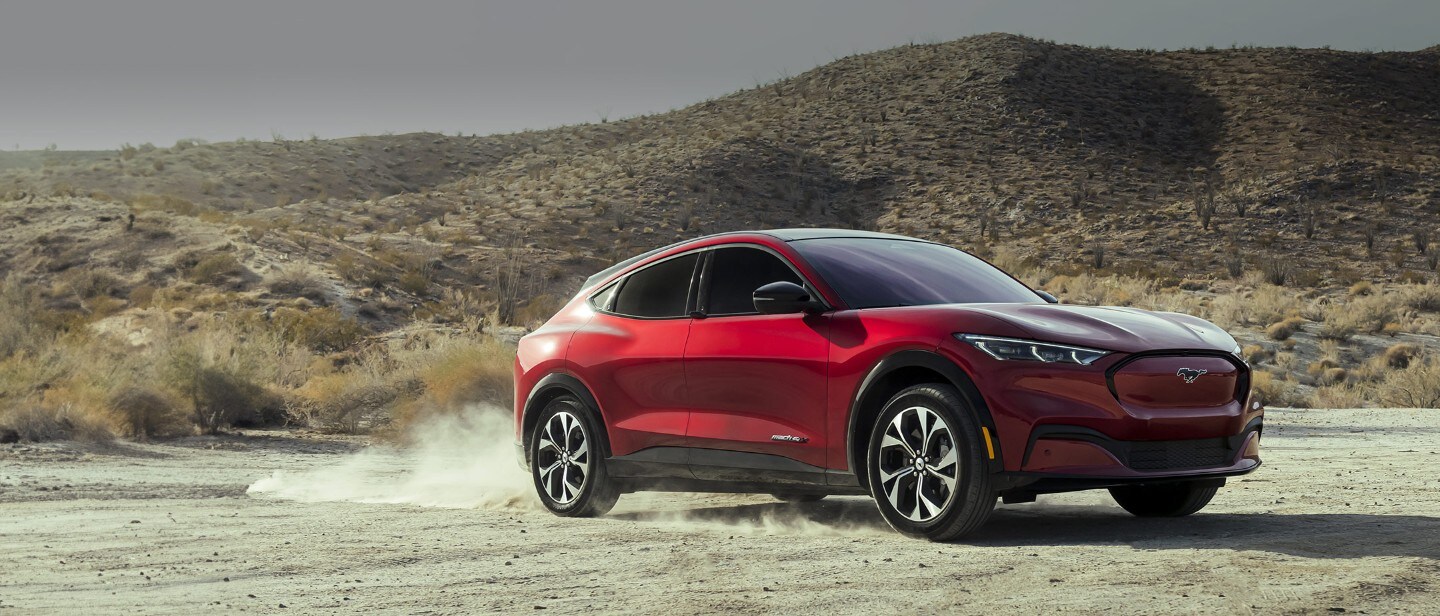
(601, 300)
(658, 291)
(735, 273)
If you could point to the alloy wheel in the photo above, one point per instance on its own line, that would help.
(563, 457)
(919, 466)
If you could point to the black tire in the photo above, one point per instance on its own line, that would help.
(799, 498)
(1165, 500)
(595, 494)
(965, 491)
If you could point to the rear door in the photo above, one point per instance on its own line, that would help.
(756, 383)
(632, 353)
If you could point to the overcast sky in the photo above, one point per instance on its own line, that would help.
(93, 75)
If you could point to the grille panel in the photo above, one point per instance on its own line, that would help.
(1171, 455)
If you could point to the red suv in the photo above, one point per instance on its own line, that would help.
(809, 362)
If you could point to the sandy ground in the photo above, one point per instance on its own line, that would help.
(1344, 516)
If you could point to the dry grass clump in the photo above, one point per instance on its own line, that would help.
(223, 378)
(20, 328)
(1400, 355)
(1283, 330)
(1103, 290)
(203, 373)
(351, 400)
(1340, 396)
(1415, 386)
(395, 387)
(1421, 297)
(36, 422)
(1263, 305)
(321, 329)
(148, 411)
(298, 282)
(1277, 390)
(458, 372)
(214, 269)
(1254, 354)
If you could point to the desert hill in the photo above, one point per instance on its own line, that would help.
(1279, 192)
(1172, 163)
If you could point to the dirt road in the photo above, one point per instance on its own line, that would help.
(1345, 515)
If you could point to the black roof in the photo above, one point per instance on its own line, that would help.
(790, 235)
(784, 235)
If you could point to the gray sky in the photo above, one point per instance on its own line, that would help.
(93, 75)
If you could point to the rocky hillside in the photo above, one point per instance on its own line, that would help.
(1318, 167)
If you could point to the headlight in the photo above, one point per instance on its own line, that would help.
(1030, 350)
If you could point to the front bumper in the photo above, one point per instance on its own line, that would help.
(1063, 458)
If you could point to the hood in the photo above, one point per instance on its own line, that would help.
(1127, 330)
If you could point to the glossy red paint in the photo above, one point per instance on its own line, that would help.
(632, 368)
(1167, 382)
(732, 383)
(754, 377)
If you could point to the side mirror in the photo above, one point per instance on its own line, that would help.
(784, 298)
(1047, 297)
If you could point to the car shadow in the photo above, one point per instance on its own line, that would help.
(1313, 535)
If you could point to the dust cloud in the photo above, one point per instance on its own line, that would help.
(463, 461)
(467, 461)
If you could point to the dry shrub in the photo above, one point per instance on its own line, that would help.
(1339, 396)
(466, 371)
(344, 402)
(1318, 368)
(1283, 330)
(538, 310)
(37, 422)
(298, 282)
(1333, 375)
(1422, 297)
(393, 387)
(1105, 290)
(1415, 386)
(1399, 355)
(1372, 313)
(147, 412)
(57, 392)
(321, 329)
(1340, 325)
(1264, 305)
(222, 372)
(20, 326)
(1276, 390)
(214, 269)
(1255, 353)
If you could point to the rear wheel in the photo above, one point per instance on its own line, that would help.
(1166, 500)
(926, 470)
(567, 461)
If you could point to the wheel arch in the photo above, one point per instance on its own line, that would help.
(547, 389)
(891, 375)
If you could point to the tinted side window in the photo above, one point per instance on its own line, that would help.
(659, 290)
(737, 272)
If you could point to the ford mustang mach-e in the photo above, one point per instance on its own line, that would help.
(812, 362)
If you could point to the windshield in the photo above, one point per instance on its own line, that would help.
(875, 273)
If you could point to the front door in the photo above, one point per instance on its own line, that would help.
(756, 384)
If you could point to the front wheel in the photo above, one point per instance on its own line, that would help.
(567, 461)
(925, 464)
(1166, 500)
